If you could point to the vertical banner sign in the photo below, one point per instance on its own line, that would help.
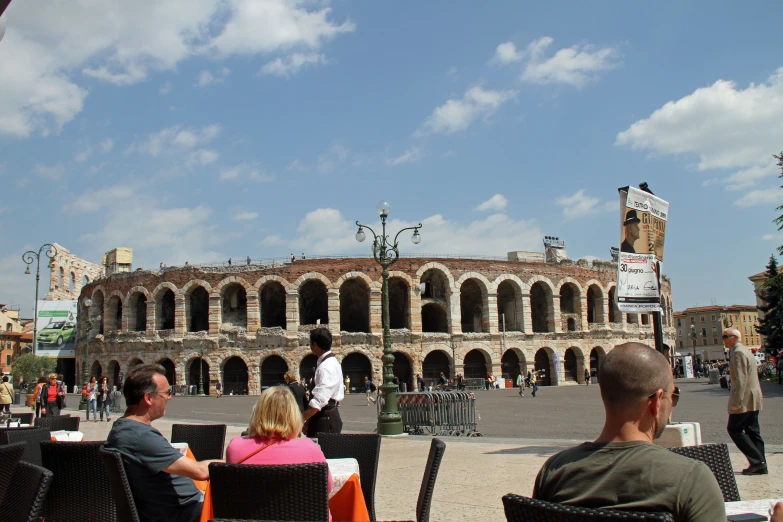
(56, 323)
(643, 219)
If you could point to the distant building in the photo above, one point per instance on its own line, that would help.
(69, 274)
(117, 261)
(12, 338)
(704, 325)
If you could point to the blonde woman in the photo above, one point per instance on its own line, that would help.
(272, 437)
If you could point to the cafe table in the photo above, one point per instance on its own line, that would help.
(759, 507)
(346, 500)
(67, 436)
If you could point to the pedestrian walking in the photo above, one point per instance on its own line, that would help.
(744, 403)
(460, 382)
(6, 394)
(293, 257)
(300, 394)
(218, 389)
(521, 384)
(104, 398)
(322, 414)
(369, 388)
(303, 256)
(91, 398)
(527, 381)
(229, 261)
(587, 377)
(419, 382)
(533, 383)
(248, 260)
(52, 397)
(41, 382)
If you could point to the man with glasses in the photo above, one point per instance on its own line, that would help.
(160, 477)
(623, 469)
(744, 403)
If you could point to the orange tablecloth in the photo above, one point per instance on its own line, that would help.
(347, 505)
(201, 485)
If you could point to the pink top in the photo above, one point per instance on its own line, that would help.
(294, 451)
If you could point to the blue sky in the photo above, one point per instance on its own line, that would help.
(205, 129)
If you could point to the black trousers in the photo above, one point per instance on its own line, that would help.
(325, 421)
(744, 430)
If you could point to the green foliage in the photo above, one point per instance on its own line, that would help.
(30, 367)
(771, 293)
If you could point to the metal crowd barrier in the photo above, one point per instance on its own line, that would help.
(117, 402)
(438, 413)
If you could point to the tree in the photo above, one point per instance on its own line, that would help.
(771, 293)
(30, 367)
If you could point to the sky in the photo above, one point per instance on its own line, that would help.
(198, 130)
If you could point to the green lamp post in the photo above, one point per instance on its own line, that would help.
(386, 254)
(47, 250)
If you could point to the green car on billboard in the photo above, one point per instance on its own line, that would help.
(57, 333)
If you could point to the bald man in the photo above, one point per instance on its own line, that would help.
(745, 403)
(622, 468)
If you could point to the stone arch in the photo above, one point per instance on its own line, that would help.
(542, 311)
(313, 300)
(434, 318)
(71, 282)
(476, 364)
(399, 301)
(235, 375)
(197, 370)
(60, 277)
(96, 370)
(439, 268)
(474, 303)
(509, 297)
(171, 370)
(231, 280)
(597, 355)
(544, 360)
(136, 308)
(573, 364)
(162, 288)
(96, 309)
(615, 316)
(113, 319)
(595, 302)
(355, 275)
(435, 362)
(113, 372)
(307, 367)
(354, 304)
(192, 284)
(307, 277)
(487, 285)
(512, 364)
(403, 369)
(132, 363)
(196, 300)
(272, 299)
(233, 300)
(273, 369)
(570, 293)
(165, 306)
(356, 366)
(269, 278)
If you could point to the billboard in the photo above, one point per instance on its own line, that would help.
(56, 324)
(643, 219)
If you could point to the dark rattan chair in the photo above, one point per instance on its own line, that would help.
(437, 448)
(292, 492)
(366, 449)
(206, 441)
(4, 433)
(524, 509)
(716, 457)
(24, 500)
(78, 489)
(33, 437)
(24, 418)
(120, 488)
(10, 455)
(59, 423)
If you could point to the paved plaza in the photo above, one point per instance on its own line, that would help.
(520, 433)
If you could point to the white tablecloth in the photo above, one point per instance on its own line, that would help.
(341, 470)
(74, 436)
(760, 507)
(181, 446)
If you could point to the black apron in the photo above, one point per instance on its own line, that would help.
(328, 419)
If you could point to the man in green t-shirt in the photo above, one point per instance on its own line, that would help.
(622, 468)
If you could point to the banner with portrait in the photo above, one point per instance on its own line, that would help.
(643, 219)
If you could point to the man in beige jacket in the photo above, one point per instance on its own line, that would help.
(745, 403)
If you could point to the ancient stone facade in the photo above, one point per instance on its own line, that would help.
(247, 325)
(68, 274)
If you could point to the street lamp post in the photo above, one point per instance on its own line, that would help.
(201, 374)
(386, 254)
(84, 339)
(28, 257)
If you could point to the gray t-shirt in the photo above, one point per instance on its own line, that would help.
(159, 496)
(632, 476)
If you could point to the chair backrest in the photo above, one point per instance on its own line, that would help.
(524, 509)
(437, 448)
(10, 455)
(61, 422)
(24, 500)
(366, 449)
(33, 437)
(716, 457)
(206, 441)
(24, 418)
(120, 488)
(290, 492)
(4, 433)
(78, 490)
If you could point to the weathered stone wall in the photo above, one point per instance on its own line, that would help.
(65, 278)
(253, 342)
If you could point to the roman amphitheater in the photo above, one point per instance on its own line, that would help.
(247, 325)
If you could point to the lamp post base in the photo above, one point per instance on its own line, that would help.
(390, 428)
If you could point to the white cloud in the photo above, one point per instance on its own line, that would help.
(772, 237)
(759, 197)
(292, 64)
(496, 202)
(458, 114)
(82, 156)
(297, 166)
(245, 216)
(272, 241)
(202, 157)
(335, 157)
(576, 65)
(93, 200)
(50, 172)
(107, 145)
(580, 205)
(176, 137)
(725, 127)
(411, 155)
(246, 171)
(165, 88)
(207, 78)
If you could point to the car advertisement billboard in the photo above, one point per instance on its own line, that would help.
(56, 324)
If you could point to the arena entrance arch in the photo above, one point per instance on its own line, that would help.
(544, 362)
(235, 377)
(171, 372)
(596, 358)
(570, 366)
(475, 365)
(273, 370)
(96, 370)
(356, 366)
(510, 367)
(199, 369)
(435, 363)
(307, 369)
(402, 370)
(114, 374)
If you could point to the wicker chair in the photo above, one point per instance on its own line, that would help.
(206, 441)
(290, 492)
(716, 457)
(33, 437)
(437, 448)
(366, 449)
(61, 422)
(524, 509)
(69, 499)
(24, 500)
(120, 488)
(24, 418)
(10, 455)
(4, 433)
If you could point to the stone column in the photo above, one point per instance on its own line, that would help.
(527, 315)
(491, 317)
(455, 313)
(334, 311)
(414, 310)
(181, 316)
(126, 313)
(253, 312)
(605, 304)
(292, 314)
(376, 319)
(150, 317)
(554, 314)
(583, 314)
(215, 314)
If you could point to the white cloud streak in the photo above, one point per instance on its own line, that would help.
(496, 202)
(580, 204)
(457, 114)
(290, 65)
(411, 155)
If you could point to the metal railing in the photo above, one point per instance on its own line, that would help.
(437, 413)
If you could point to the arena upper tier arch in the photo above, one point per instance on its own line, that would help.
(247, 325)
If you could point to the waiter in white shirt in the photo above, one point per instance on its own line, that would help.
(322, 415)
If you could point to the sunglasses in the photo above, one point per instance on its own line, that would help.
(675, 395)
(167, 393)
(727, 336)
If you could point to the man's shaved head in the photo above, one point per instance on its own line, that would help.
(631, 372)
